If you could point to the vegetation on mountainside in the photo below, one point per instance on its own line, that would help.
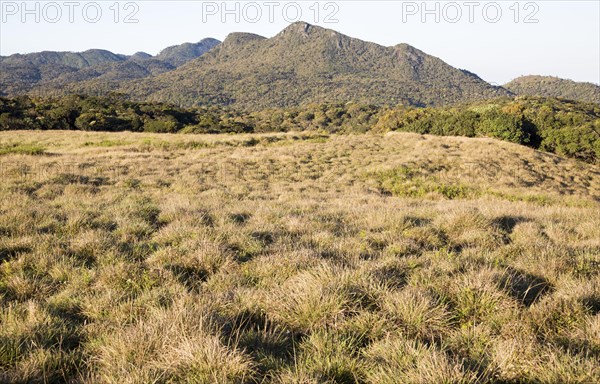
(57, 71)
(548, 86)
(178, 55)
(306, 64)
(563, 127)
(302, 64)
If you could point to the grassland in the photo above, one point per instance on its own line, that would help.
(295, 258)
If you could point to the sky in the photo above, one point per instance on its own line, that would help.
(498, 40)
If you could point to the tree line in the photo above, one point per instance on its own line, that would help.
(559, 126)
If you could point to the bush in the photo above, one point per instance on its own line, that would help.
(503, 126)
(162, 125)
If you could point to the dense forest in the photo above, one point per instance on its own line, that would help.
(558, 126)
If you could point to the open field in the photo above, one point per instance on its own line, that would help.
(295, 258)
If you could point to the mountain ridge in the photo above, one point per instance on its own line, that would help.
(301, 64)
(551, 86)
(49, 71)
(304, 64)
(178, 55)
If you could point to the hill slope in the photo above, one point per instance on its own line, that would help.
(306, 63)
(20, 73)
(180, 54)
(549, 86)
(59, 72)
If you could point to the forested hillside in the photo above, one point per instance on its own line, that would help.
(549, 86)
(51, 72)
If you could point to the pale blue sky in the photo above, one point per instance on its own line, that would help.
(564, 42)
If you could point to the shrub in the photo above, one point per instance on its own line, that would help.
(503, 126)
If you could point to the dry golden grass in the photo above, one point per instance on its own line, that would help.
(295, 258)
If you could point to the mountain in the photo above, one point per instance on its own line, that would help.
(306, 64)
(140, 56)
(180, 54)
(20, 73)
(59, 72)
(71, 59)
(549, 86)
(302, 64)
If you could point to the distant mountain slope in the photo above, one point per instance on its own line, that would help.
(549, 86)
(180, 54)
(58, 72)
(71, 59)
(20, 73)
(304, 64)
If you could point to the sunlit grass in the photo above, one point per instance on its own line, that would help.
(296, 258)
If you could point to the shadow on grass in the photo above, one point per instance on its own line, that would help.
(524, 287)
(71, 178)
(508, 223)
(9, 253)
(392, 276)
(191, 277)
(592, 304)
(269, 343)
(240, 218)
